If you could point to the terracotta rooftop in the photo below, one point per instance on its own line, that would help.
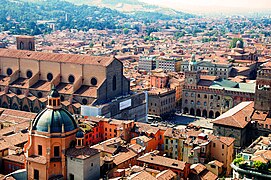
(38, 159)
(15, 158)
(54, 57)
(122, 157)
(166, 175)
(151, 158)
(217, 163)
(81, 153)
(238, 116)
(143, 175)
(225, 140)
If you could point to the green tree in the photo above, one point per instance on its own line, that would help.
(234, 41)
(238, 160)
(259, 165)
(91, 44)
(125, 31)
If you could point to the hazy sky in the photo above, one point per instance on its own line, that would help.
(214, 5)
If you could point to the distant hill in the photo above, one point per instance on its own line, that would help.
(22, 16)
(135, 7)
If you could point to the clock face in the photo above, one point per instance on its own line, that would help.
(190, 80)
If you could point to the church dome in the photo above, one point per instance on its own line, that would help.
(52, 120)
(238, 44)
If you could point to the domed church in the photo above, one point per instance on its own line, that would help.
(54, 137)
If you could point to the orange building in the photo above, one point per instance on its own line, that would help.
(158, 79)
(148, 136)
(98, 129)
(51, 133)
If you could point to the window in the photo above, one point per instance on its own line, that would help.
(198, 103)
(29, 74)
(50, 76)
(54, 102)
(205, 104)
(19, 91)
(36, 174)
(39, 94)
(71, 176)
(21, 45)
(198, 95)
(9, 71)
(114, 83)
(93, 81)
(30, 45)
(212, 97)
(84, 101)
(166, 141)
(205, 96)
(40, 150)
(71, 79)
(56, 151)
(222, 146)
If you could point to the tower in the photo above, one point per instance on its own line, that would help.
(192, 76)
(51, 133)
(25, 43)
(262, 100)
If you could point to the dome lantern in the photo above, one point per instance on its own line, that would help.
(54, 99)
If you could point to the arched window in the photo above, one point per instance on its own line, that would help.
(93, 81)
(39, 94)
(84, 101)
(9, 71)
(114, 83)
(71, 79)
(50, 76)
(21, 45)
(19, 92)
(29, 74)
(30, 45)
(198, 103)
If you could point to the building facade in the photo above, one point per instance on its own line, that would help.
(161, 102)
(212, 68)
(97, 82)
(210, 96)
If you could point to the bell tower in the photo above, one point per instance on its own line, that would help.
(262, 100)
(192, 76)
